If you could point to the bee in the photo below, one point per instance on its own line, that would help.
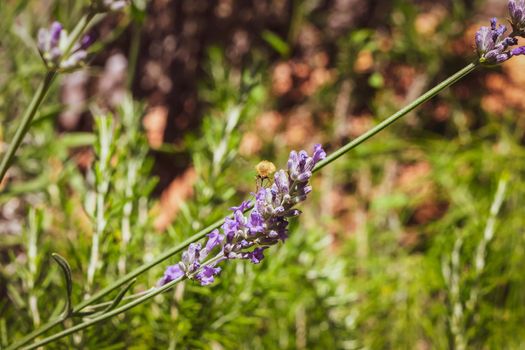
(264, 169)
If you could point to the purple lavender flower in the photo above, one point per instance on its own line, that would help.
(492, 45)
(246, 236)
(517, 16)
(214, 239)
(53, 44)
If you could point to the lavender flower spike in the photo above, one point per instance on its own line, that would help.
(491, 44)
(247, 236)
(53, 44)
(517, 16)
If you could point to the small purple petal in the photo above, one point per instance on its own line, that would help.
(493, 22)
(255, 223)
(256, 256)
(303, 177)
(191, 257)
(54, 33)
(214, 239)
(281, 181)
(292, 212)
(172, 273)
(244, 205)
(319, 153)
(86, 41)
(518, 51)
(207, 275)
(230, 228)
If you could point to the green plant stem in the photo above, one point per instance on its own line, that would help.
(23, 128)
(394, 117)
(39, 96)
(201, 234)
(102, 317)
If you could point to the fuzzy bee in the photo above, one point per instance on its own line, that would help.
(264, 169)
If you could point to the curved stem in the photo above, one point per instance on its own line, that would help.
(129, 297)
(102, 317)
(128, 277)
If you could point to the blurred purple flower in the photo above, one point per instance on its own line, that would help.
(53, 43)
(517, 16)
(492, 45)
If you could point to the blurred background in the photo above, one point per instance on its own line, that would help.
(397, 248)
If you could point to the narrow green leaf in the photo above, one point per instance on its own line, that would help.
(111, 306)
(66, 269)
(119, 297)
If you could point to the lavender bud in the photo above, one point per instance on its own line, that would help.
(319, 153)
(86, 41)
(244, 205)
(207, 275)
(172, 273)
(256, 256)
(52, 44)
(281, 181)
(273, 234)
(491, 44)
(279, 211)
(54, 34)
(517, 16)
(292, 213)
(214, 239)
(256, 223)
(303, 177)
(304, 190)
(191, 257)
(518, 51)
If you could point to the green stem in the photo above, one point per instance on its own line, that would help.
(102, 317)
(131, 275)
(23, 128)
(201, 234)
(38, 98)
(394, 117)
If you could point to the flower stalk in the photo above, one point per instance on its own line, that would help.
(28, 117)
(39, 97)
